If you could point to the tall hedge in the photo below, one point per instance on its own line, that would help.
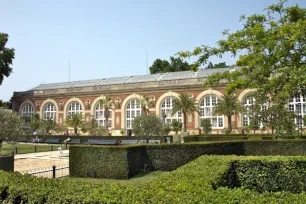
(125, 161)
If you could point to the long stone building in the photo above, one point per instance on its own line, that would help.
(60, 100)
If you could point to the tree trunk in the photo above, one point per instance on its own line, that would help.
(229, 120)
(185, 121)
(76, 130)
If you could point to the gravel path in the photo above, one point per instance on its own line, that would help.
(33, 164)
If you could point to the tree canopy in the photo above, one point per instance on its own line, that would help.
(273, 49)
(6, 57)
(175, 65)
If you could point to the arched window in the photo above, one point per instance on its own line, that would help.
(74, 108)
(247, 103)
(133, 110)
(27, 110)
(207, 108)
(166, 107)
(99, 116)
(49, 112)
(297, 104)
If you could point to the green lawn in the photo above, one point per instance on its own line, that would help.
(27, 148)
(139, 179)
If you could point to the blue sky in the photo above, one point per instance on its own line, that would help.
(110, 38)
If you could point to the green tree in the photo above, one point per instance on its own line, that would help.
(75, 121)
(175, 65)
(11, 126)
(210, 66)
(35, 123)
(85, 127)
(48, 125)
(107, 104)
(167, 128)
(146, 103)
(185, 104)
(60, 128)
(273, 45)
(206, 125)
(92, 126)
(147, 125)
(159, 66)
(6, 57)
(221, 65)
(228, 105)
(176, 126)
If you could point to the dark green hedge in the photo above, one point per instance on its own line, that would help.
(128, 160)
(7, 163)
(269, 174)
(191, 183)
(237, 137)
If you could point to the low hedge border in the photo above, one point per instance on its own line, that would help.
(191, 183)
(125, 161)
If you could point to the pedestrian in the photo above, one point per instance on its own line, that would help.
(60, 152)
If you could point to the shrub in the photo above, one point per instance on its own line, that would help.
(147, 125)
(206, 125)
(176, 126)
(11, 126)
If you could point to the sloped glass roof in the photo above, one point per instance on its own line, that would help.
(203, 73)
(114, 80)
(176, 75)
(54, 86)
(142, 78)
(86, 83)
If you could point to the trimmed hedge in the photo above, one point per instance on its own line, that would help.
(269, 174)
(232, 137)
(195, 182)
(125, 161)
(7, 163)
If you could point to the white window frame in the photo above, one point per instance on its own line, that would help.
(132, 110)
(99, 116)
(27, 110)
(293, 104)
(206, 106)
(49, 111)
(74, 108)
(166, 108)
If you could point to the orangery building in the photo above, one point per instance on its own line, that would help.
(60, 100)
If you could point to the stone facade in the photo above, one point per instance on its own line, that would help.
(122, 94)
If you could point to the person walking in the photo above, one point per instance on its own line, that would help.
(60, 152)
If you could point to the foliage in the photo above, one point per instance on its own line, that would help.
(11, 126)
(60, 128)
(48, 125)
(227, 131)
(219, 65)
(122, 131)
(75, 121)
(167, 128)
(107, 104)
(100, 131)
(273, 61)
(6, 57)
(206, 125)
(35, 123)
(163, 66)
(146, 103)
(271, 173)
(228, 105)
(92, 126)
(85, 127)
(147, 125)
(185, 104)
(196, 182)
(176, 126)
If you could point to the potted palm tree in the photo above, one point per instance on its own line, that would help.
(185, 104)
(75, 121)
(107, 104)
(146, 103)
(228, 105)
